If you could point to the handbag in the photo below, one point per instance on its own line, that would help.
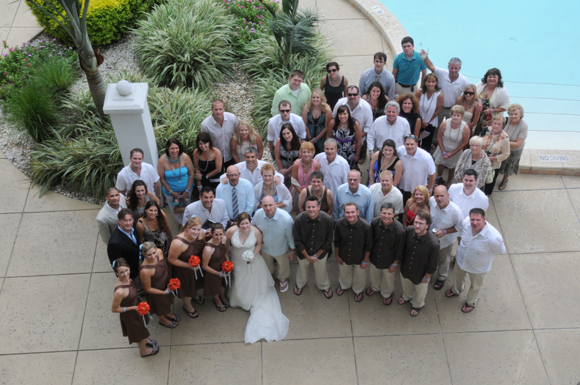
(490, 175)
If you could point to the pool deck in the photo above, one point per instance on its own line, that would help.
(56, 289)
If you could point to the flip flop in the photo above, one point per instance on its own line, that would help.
(153, 343)
(200, 300)
(328, 293)
(221, 308)
(502, 185)
(465, 307)
(297, 291)
(404, 301)
(449, 293)
(176, 319)
(416, 309)
(439, 284)
(358, 297)
(191, 314)
(388, 301)
(172, 326)
(339, 291)
(154, 352)
(370, 292)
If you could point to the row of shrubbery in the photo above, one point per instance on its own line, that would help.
(184, 47)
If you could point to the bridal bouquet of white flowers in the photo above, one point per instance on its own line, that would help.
(248, 256)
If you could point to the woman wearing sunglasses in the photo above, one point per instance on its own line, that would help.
(334, 84)
(468, 100)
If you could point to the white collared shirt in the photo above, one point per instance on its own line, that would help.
(218, 213)
(451, 90)
(395, 197)
(126, 177)
(363, 113)
(254, 177)
(475, 254)
(221, 136)
(335, 173)
(381, 130)
(442, 219)
(477, 199)
(416, 168)
(275, 126)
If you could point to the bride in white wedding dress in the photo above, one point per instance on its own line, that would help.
(253, 287)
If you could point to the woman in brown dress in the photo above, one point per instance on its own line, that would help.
(154, 227)
(125, 303)
(189, 242)
(155, 278)
(214, 255)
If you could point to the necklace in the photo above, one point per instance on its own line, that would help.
(206, 162)
(339, 80)
(343, 126)
(173, 170)
(457, 132)
(422, 105)
(174, 161)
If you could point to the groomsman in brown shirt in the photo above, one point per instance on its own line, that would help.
(353, 241)
(420, 261)
(313, 240)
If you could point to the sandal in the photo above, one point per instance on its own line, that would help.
(402, 301)
(358, 297)
(176, 319)
(328, 293)
(388, 301)
(449, 293)
(152, 342)
(370, 291)
(439, 284)
(191, 314)
(503, 185)
(221, 308)
(154, 352)
(297, 291)
(226, 303)
(200, 300)
(339, 291)
(173, 325)
(467, 309)
(416, 310)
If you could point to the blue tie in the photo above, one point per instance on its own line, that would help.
(234, 203)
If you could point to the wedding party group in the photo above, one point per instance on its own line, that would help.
(252, 217)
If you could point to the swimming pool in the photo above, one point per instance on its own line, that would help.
(533, 43)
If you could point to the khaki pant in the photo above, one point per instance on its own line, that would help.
(352, 276)
(444, 261)
(320, 273)
(400, 90)
(383, 281)
(415, 293)
(283, 265)
(459, 277)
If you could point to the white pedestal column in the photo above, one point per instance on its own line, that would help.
(127, 105)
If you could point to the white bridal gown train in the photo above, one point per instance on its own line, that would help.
(253, 289)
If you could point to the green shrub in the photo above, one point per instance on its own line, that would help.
(185, 43)
(56, 74)
(107, 20)
(34, 109)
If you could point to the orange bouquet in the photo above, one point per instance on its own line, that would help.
(228, 267)
(143, 309)
(195, 261)
(174, 284)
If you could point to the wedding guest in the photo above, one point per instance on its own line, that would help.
(138, 197)
(208, 209)
(287, 150)
(214, 254)
(468, 100)
(496, 145)
(296, 92)
(377, 99)
(354, 191)
(407, 67)
(317, 116)
(466, 195)
(419, 202)
(220, 126)
(353, 242)
(473, 158)
(418, 167)
(517, 131)
(153, 226)
(207, 160)
(313, 239)
(334, 168)
(386, 160)
(378, 73)
(107, 220)
(419, 262)
(452, 137)
(388, 245)
(245, 137)
(410, 111)
(237, 193)
(391, 126)
(285, 116)
(190, 242)
(318, 190)
(125, 301)
(334, 84)
(251, 169)
(124, 244)
(347, 132)
(430, 104)
(303, 167)
(268, 188)
(278, 241)
(155, 278)
(135, 170)
(384, 192)
(492, 96)
(176, 175)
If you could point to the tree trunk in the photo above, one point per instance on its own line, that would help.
(97, 85)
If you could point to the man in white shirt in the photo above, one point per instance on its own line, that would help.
(466, 195)
(334, 168)
(480, 242)
(107, 220)
(446, 223)
(220, 126)
(251, 169)
(418, 167)
(359, 109)
(285, 116)
(138, 170)
(452, 83)
(384, 192)
(390, 126)
(209, 209)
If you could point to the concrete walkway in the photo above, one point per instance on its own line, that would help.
(17, 23)
(56, 290)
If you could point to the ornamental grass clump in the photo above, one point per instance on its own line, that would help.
(185, 43)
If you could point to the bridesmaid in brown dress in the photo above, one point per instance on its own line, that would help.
(189, 242)
(125, 303)
(155, 278)
(214, 255)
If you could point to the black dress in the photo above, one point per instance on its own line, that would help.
(333, 93)
(205, 167)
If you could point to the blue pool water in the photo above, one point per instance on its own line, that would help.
(534, 43)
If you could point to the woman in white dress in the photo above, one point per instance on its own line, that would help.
(430, 104)
(253, 286)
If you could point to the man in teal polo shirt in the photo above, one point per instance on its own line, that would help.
(296, 92)
(407, 67)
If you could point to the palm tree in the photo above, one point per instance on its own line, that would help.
(76, 27)
(293, 30)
